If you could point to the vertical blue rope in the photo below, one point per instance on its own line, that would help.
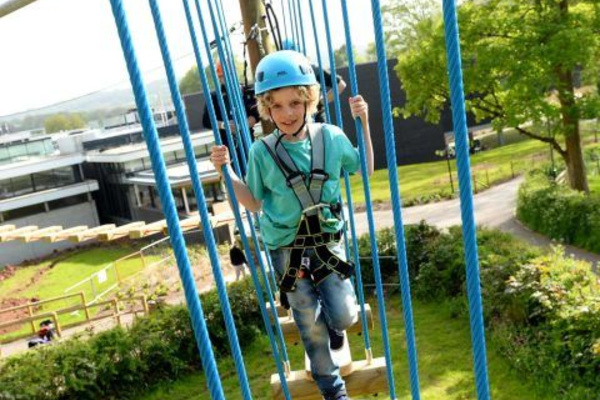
(359, 284)
(285, 24)
(296, 22)
(240, 111)
(237, 215)
(245, 138)
(370, 219)
(390, 146)
(298, 4)
(166, 197)
(239, 222)
(466, 198)
(234, 94)
(201, 203)
(336, 95)
(319, 61)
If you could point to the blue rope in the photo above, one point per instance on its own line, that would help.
(367, 190)
(321, 72)
(166, 197)
(466, 198)
(285, 23)
(236, 95)
(298, 4)
(240, 111)
(237, 215)
(295, 22)
(201, 202)
(390, 146)
(359, 285)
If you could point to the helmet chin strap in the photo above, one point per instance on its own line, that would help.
(299, 129)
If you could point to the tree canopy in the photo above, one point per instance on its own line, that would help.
(522, 61)
(64, 122)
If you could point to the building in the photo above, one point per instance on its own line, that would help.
(127, 186)
(41, 186)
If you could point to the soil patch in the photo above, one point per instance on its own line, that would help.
(12, 315)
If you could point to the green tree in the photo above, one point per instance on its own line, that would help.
(519, 63)
(63, 122)
(190, 83)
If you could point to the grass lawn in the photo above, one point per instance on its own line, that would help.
(445, 363)
(422, 180)
(73, 269)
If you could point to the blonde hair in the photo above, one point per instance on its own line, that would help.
(310, 94)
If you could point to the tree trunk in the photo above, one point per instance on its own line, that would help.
(252, 12)
(570, 122)
(252, 15)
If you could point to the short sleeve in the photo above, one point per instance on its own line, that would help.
(348, 153)
(254, 179)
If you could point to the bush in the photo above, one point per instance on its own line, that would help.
(122, 364)
(558, 339)
(543, 310)
(560, 213)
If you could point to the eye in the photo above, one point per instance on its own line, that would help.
(295, 103)
(276, 106)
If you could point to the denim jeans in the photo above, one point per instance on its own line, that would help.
(331, 304)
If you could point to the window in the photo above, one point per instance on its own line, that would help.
(23, 212)
(68, 201)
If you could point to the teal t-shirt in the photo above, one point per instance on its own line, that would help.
(281, 209)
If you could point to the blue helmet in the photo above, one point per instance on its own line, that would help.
(289, 44)
(282, 69)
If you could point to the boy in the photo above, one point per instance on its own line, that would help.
(294, 177)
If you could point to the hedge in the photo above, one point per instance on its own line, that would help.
(122, 364)
(560, 213)
(543, 310)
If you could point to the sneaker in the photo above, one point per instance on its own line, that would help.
(338, 396)
(336, 341)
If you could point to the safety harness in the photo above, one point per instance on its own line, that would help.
(308, 192)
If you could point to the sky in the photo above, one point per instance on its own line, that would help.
(55, 50)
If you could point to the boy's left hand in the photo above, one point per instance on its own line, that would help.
(359, 107)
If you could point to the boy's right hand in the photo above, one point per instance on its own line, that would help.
(219, 156)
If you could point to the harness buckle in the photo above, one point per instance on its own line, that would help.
(294, 179)
(319, 174)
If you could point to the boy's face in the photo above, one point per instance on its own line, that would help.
(288, 109)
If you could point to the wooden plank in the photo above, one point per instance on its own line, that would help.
(62, 235)
(36, 235)
(290, 332)
(91, 233)
(120, 232)
(365, 379)
(187, 224)
(6, 228)
(14, 234)
(146, 230)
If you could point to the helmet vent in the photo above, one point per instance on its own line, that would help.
(260, 76)
(304, 69)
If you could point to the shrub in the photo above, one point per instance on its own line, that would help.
(560, 213)
(122, 364)
(558, 339)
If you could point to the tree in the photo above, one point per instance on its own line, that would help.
(519, 63)
(190, 83)
(64, 122)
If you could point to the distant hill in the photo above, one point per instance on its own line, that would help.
(94, 106)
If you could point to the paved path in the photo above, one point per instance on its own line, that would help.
(494, 208)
